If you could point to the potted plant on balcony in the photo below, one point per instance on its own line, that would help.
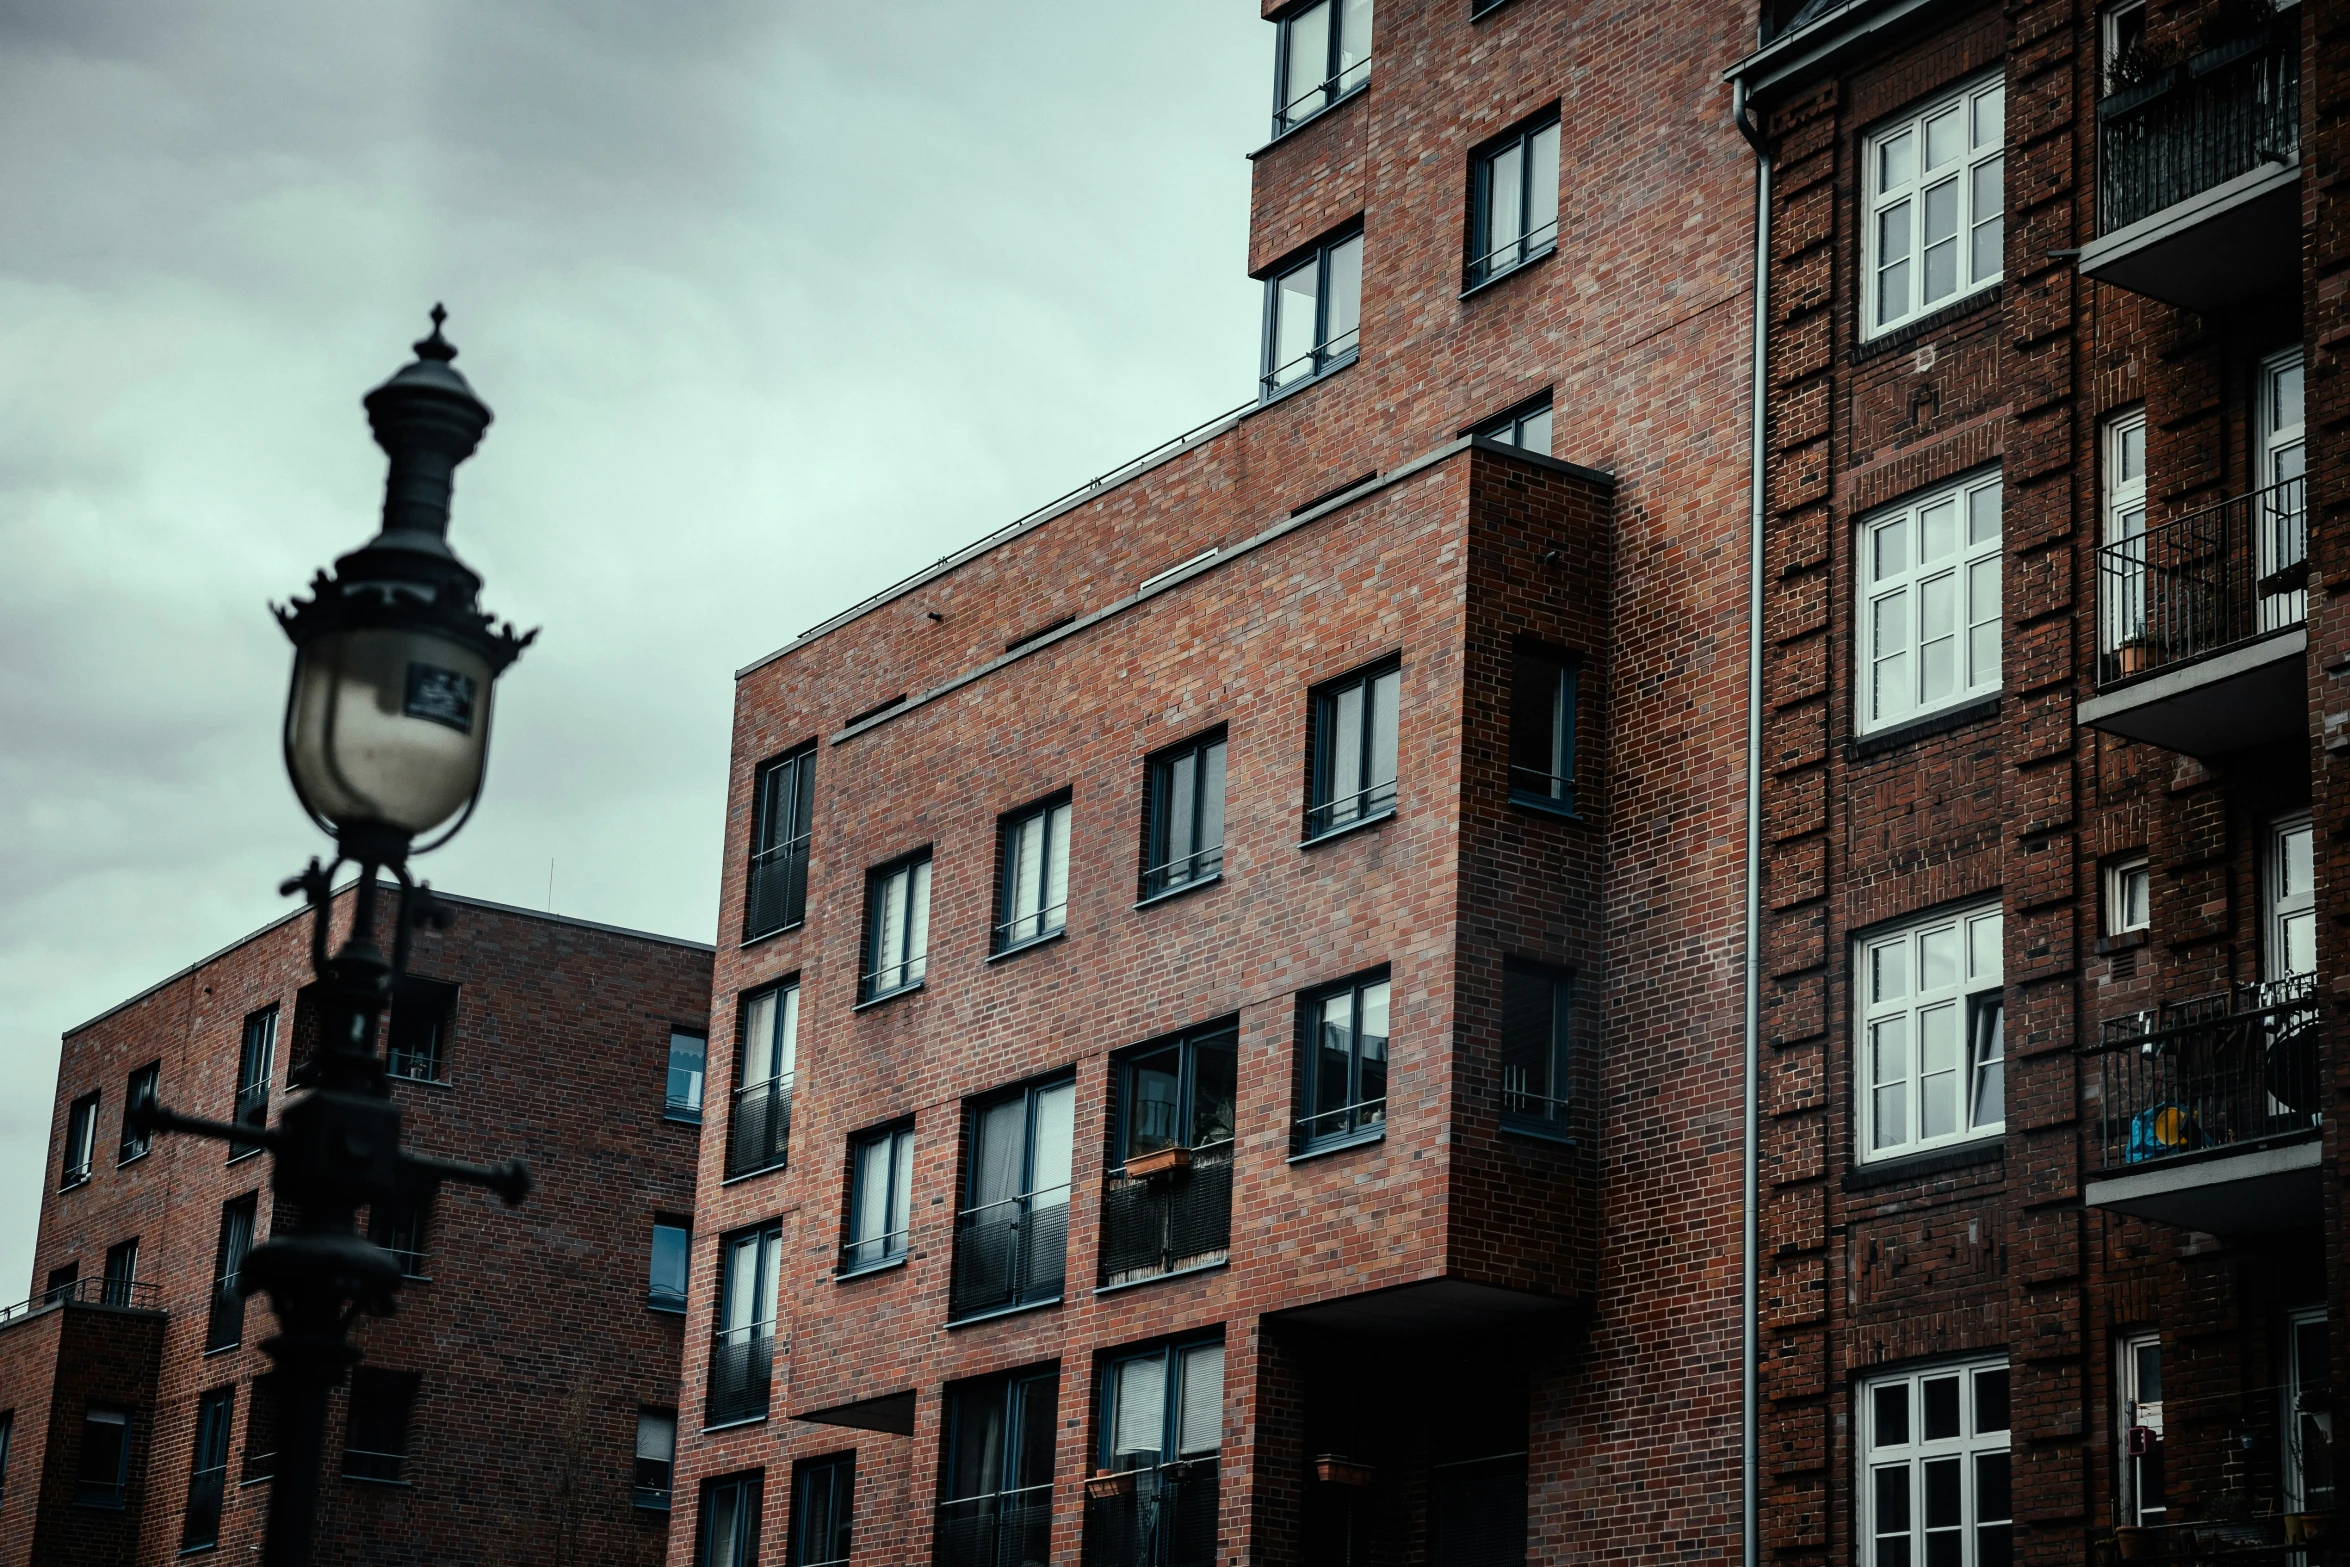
(2132, 657)
(2133, 1543)
(1158, 1162)
(1336, 1469)
(1103, 1486)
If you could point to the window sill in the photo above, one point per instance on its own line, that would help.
(82, 1181)
(1193, 885)
(240, 1158)
(99, 1507)
(886, 1265)
(1316, 118)
(1266, 399)
(389, 1485)
(1511, 271)
(736, 1178)
(1898, 337)
(1538, 1132)
(2122, 941)
(1355, 826)
(1991, 1149)
(441, 1083)
(769, 935)
(888, 996)
(1030, 945)
(1877, 742)
(124, 1164)
(736, 1425)
(1546, 806)
(187, 1551)
(211, 1350)
(1161, 1278)
(681, 1118)
(662, 1508)
(665, 1306)
(1486, 9)
(977, 1318)
(1340, 1145)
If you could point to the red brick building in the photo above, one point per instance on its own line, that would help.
(1227, 1027)
(2055, 777)
(498, 1416)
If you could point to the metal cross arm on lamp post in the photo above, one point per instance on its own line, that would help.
(386, 740)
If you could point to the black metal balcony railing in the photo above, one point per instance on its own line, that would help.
(1158, 1224)
(758, 1134)
(225, 1329)
(1006, 1529)
(206, 1490)
(1011, 1253)
(1162, 1517)
(2202, 583)
(252, 1109)
(2193, 126)
(2232, 1069)
(137, 1295)
(742, 1366)
(777, 895)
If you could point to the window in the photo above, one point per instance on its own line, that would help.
(1536, 1025)
(2309, 1420)
(897, 928)
(730, 1522)
(1934, 230)
(1344, 1077)
(418, 1034)
(1542, 730)
(1032, 882)
(656, 1458)
(1164, 1407)
(141, 1090)
(1526, 427)
(261, 1431)
(81, 1141)
(758, 1135)
(2138, 1381)
(823, 1504)
(375, 1441)
(2291, 947)
(689, 1054)
(2121, 588)
(1935, 1493)
(1324, 54)
(64, 1284)
(673, 1244)
(1185, 843)
(105, 1458)
(1514, 202)
(1353, 773)
(881, 1195)
(1929, 596)
(2129, 896)
(256, 1057)
(782, 807)
(998, 1499)
(742, 1360)
(1179, 1093)
(1313, 314)
(399, 1228)
(1932, 1052)
(1011, 1239)
(122, 1273)
(208, 1469)
(2124, 36)
(1167, 1205)
(7, 1440)
(2284, 509)
(226, 1328)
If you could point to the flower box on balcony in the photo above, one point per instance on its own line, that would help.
(1334, 1470)
(1104, 1486)
(1158, 1162)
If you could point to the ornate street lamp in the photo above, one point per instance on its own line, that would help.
(386, 735)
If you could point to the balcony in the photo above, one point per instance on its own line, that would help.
(2210, 1111)
(2200, 643)
(1006, 1529)
(2198, 199)
(742, 1367)
(125, 1294)
(1160, 1517)
(758, 1134)
(1010, 1254)
(1167, 1222)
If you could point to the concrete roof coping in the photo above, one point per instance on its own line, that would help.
(1827, 41)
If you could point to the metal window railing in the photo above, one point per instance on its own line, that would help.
(653, 1483)
(1347, 809)
(776, 896)
(251, 1109)
(1318, 360)
(1158, 1517)
(1183, 870)
(891, 978)
(874, 1250)
(1521, 1103)
(742, 1367)
(225, 1327)
(1035, 925)
(132, 1294)
(758, 1133)
(1158, 1224)
(1324, 94)
(1327, 1125)
(2202, 583)
(1512, 254)
(418, 1064)
(1013, 1252)
(2236, 1068)
(2193, 126)
(1002, 1529)
(1538, 783)
(361, 1464)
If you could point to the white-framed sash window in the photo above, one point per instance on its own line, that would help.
(2138, 1378)
(2282, 510)
(1934, 1468)
(2121, 587)
(2291, 947)
(2129, 895)
(1931, 1047)
(1934, 229)
(1928, 604)
(2309, 1414)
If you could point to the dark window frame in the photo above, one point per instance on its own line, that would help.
(1555, 1118)
(1357, 1127)
(658, 1298)
(1169, 1353)
(256, 1067)
(407, 1058)
(1322, 818)
(99, 1492)
(225, 1328)
(1030, 1095)
(216, 1413)
(1324, 359)
(261, 1430)
(1559, 794)
(118, 1285)
(382, 1408)
(898, 1209)
(1477, 268)
(836, 1475)
(913, 970)
(7, 1442)
(81, 1142)
(1508, 427)
(758, 1111)
(403, 1229)
(684, 1112)
(793, 770)
(1002, 942)
(750, 1342)
(748, 1489)
(1188, 1043)
(143, 1086)
(1016, 1397)
(1202, 864)
(1338, 83)
(652, 1486)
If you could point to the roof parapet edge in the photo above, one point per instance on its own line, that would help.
(1820, 46)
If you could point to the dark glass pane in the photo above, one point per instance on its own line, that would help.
(1529, 1031)
(1942, 1493)
(1991, 1400)
(1991, 1499)
(1334, 1055)
(1152, 1111)
(1033, 1452)
(976, 1465)
(1534, 729)
(1945, 1549)
(1182, 800)
(1940, 1397)
(1211, 798)
(1994, 1546)
(1215, 1080)
(1892, 1499)
(1372, 1044)
(999, 1148)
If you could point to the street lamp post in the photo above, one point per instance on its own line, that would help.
(386, 735)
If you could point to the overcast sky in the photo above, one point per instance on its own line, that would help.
(774, 302)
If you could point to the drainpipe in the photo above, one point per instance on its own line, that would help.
(1750, 1238)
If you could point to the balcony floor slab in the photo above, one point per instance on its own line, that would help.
(2242, 697)
(2272, 1188)
(2239, 238)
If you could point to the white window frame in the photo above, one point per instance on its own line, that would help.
(1890, 184)
(2319, 1418)
(1896, 582)
(1896, 1016)
(2109, 38)
(2283, 456)
(2120, 917)
(2289, 907)
(1917, 1453)
(2133, 1408)
(2121, 488)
